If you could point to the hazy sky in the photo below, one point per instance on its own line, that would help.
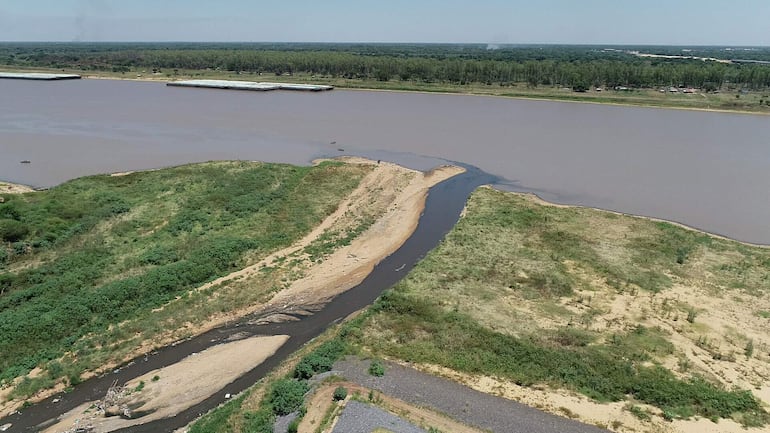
(682, 22)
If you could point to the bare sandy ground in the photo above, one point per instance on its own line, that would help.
(13, 188)
(167, 391)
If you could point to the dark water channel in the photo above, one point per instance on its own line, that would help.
(443, 206)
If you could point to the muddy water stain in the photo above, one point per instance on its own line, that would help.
(708, 170)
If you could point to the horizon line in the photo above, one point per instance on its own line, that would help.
(498, 44)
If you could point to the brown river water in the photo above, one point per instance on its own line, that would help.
(707, 170)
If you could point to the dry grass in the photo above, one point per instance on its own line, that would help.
(583, 279)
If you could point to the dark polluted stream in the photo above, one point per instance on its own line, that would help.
(442, 210)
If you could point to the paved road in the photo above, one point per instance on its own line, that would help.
(464, 404)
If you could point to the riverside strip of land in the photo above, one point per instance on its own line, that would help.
(375, 218)
(725, 101)
(695, 77)
(626, 323)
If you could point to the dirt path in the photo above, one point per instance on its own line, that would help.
(478, 408)
(321, 401)
(164, 392)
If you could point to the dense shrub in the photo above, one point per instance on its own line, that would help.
(340, 393)
(377, 368)
(320, 360)
(118, 247)
(287, 395)
(12, 230)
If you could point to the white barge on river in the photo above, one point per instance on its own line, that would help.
(248, 85)
(37, 76)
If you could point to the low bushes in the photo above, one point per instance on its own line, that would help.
(419, 331)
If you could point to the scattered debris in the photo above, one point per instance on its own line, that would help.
(113, 402)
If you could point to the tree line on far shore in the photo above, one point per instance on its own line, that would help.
(568, 66)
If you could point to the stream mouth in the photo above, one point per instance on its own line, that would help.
(443, 206)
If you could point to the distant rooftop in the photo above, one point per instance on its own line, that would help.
(37, 76)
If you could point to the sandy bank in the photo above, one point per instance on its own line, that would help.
(167, 391)
(349, 265)
(400, 193)
(14, 188)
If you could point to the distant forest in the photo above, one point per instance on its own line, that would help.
(548, 65)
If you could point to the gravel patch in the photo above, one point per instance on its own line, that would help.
(464, 404)
(282, 422)
(360, 417)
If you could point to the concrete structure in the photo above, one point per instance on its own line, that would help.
(37, 76)
(247, 85)
(306, 87)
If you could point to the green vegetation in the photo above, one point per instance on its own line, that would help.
(222, 420)
(287, 395)
(283, 395)
(320, 360)
(480, 301)
(340, 393)
(602, 372)
(639, 412)
(97, 251)
(523, 71)
(377, 368)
